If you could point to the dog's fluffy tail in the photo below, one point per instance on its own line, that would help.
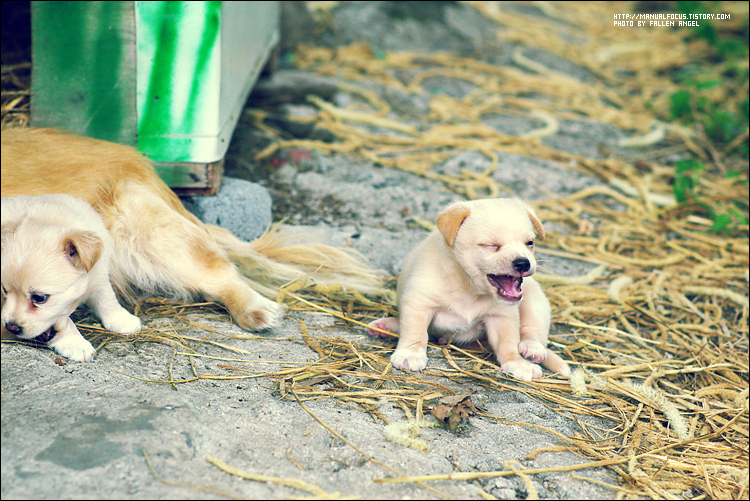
(556, 364)
(274, 260)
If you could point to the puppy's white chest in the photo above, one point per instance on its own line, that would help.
(450, 325)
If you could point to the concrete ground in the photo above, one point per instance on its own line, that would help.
(89, 430)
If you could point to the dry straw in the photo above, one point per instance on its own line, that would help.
(659, 329)
(664, 321)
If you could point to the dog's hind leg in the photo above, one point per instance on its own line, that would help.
(503, 334)
(536, 316)
(160, 249)
(389, 324)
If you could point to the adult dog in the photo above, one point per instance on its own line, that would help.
(159, 247)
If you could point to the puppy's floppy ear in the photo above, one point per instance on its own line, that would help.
(7, 230)
(5, 235)
(449, 221)
(535, 221)
(83, 249)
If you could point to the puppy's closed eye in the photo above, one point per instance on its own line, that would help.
(491, 247)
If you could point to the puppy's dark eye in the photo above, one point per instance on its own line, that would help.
(530, 243)
(39, 298)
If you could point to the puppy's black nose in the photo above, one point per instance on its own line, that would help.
(521, 265)
(14, 328)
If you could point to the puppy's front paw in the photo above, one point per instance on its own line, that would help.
(409, 360)
(261, 314)
(522, 369)
(74, 347)
(389, 324)
(532, 350)
(122, 322)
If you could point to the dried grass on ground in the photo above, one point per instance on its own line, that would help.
(659, 328)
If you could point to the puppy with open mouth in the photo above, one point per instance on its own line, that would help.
(471, 278)
(55, 256)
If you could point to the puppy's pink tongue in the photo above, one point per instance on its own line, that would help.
(507, 286)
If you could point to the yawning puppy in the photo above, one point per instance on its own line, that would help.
(470, 278)
(55, 256)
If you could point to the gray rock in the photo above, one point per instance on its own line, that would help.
(242, 207)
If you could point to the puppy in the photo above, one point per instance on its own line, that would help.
(465, 282)
(161, 249)
(55, 256)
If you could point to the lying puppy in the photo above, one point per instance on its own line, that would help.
(159, 247)
(464, 282)
(55, 256)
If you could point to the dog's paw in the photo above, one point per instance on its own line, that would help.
(74, 347)
(261, 314)
(522, 369)
(532, 350)
(122, 322)
(409, 360)
(389, 324)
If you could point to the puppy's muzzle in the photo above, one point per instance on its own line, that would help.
(17, 330)
(509, 286)
(46, 336)
(14, 328)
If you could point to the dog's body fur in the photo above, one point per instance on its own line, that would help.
(464, 282)
(159, 247)
(55, 256)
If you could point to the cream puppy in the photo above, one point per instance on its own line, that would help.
(55, 255)
(465, 282)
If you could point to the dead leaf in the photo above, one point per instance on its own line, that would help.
(59, 361)
(451, 410)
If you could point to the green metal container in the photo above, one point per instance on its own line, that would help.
(170, 78)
